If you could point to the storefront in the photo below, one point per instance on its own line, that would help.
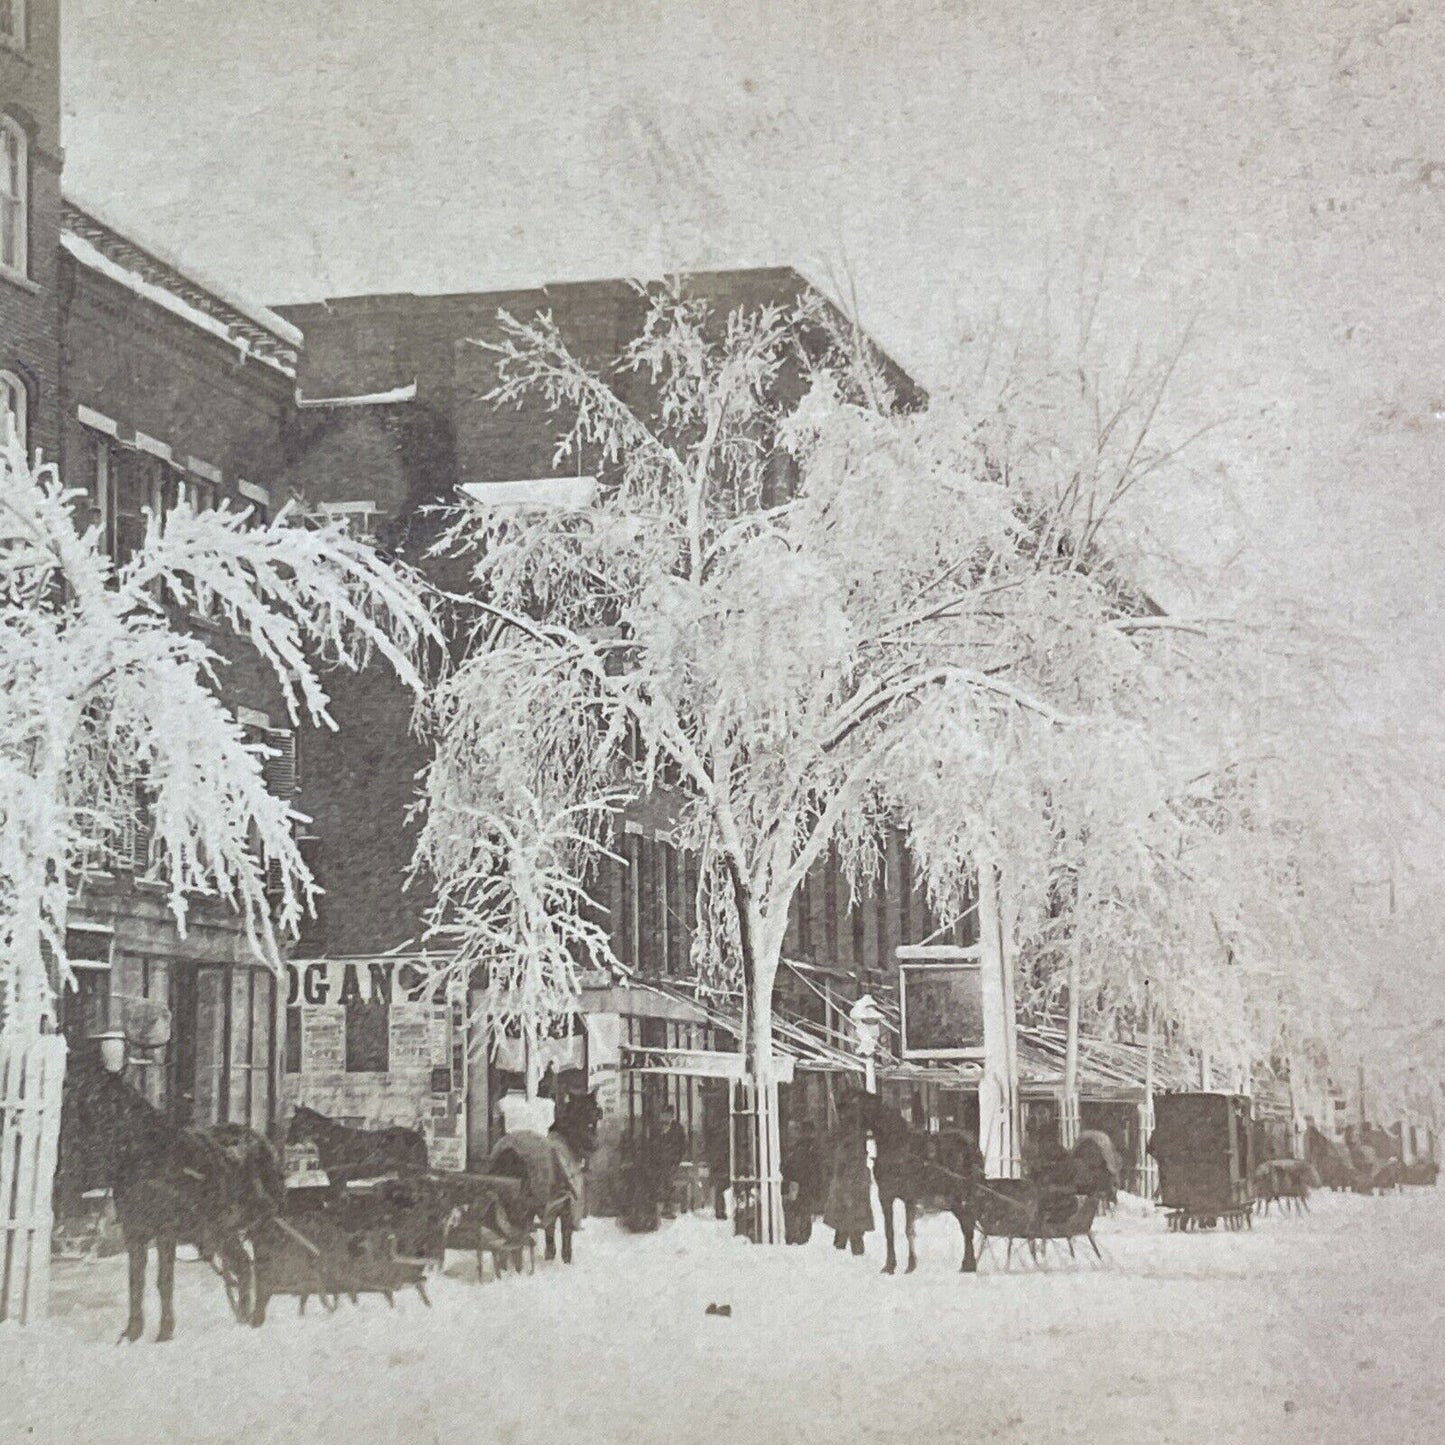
(198, 1015)
(375, 1042)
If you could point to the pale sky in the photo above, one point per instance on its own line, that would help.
(1273, 172)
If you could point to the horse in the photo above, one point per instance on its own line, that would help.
(916, 1167)
(1285, 1182)
(348, 1153)
(1332, 1161)
(207, 1187)
(549, 1169)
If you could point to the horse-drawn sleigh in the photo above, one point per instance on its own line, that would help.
(381, 1224)
(946, 1170)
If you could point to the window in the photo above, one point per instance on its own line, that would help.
(12, 24)
(14, 193)
(102, 491)
(14, 407)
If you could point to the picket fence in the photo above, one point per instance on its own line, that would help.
(32, 1075)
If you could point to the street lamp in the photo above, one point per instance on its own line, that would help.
(867, 1020)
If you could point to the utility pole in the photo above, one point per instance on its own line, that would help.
(1069, 1122)
(1146, 1160)
(998, 1088)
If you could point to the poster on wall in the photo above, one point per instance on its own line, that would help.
(411, 1037)
(942, 1010)
(323, 1038)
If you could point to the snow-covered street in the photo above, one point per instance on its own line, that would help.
(1320, 1329)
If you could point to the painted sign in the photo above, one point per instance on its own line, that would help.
(697, 1063)
(342, 981)
(942, 1010)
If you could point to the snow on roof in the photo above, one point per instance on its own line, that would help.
(570, 493)
(145, 271)
(376, 398)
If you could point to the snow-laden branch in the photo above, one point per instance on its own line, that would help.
(116, 712)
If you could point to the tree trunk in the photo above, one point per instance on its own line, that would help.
(761, 956)
(766, 1145)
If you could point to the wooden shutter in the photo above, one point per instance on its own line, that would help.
(280, 768)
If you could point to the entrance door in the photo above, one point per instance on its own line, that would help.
(225, 1045)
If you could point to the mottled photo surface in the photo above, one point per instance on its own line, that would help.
(721, 721)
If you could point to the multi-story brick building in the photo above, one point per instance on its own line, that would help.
(393, 418)
(152, 389)
(30, 162)
(172, 395)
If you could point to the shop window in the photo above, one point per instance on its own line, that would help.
(249, 1083)
(210, 1046)
(233, 1035)
(368, 1027)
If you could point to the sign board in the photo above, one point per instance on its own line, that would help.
(698, 1063)
(941, 1004)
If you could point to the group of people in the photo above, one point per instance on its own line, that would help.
(651, 1156)
(827, 1176)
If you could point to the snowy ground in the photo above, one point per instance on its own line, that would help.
(1321, 1329)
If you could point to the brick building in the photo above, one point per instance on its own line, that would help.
(152, 389)
(172, 395)
(30, 162)
(392, 418)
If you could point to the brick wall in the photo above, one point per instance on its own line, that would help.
(150, 371)
(29, 321)
(360, 782)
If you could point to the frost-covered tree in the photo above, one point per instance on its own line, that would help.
(112, 705)
(811, 614)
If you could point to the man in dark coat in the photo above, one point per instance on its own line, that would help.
(849, 1211)
(670, 1149)
(716, 1126)
(802, 1182)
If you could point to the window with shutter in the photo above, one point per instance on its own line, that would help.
(280, 767)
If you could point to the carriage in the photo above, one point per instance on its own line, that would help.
(1202, 1143)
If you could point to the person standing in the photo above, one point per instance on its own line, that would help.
(802, 1182)
(849, 1210)
(671, 1150)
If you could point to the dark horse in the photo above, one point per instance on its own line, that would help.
(206, 1187)
(550, 1169)
(348, 1153)
(945, 1169)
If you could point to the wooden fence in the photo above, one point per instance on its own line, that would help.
(32, 1074)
